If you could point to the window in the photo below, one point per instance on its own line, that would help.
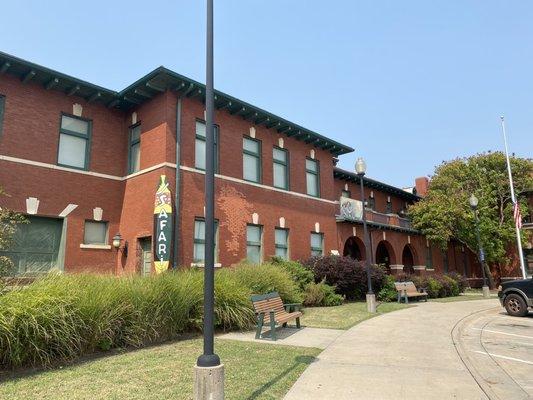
(134, 155)
(346, 193)
(199, 241)
(312, 174)
(95, 232)
(281, 168)
(251, 160)
(2, 108)
(371, 203)
(429, 257)
(199, 147)
(253, 243)
(74, 142)
(388, 209)
(281, 240)
(317, 244)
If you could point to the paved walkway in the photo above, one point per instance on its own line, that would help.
(407, 354)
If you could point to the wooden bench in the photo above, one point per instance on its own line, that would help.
(408, 290)
(270, 310)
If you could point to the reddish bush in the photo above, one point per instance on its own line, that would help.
(346, 274)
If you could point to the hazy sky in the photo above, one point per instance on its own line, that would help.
(406, 83)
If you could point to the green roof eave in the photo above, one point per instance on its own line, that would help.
(339, 173)
(159, 80)
(166, 79)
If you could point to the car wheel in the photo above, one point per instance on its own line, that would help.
(515, 305)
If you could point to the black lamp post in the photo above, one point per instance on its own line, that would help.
(473, 200)
(209, 372)
(360, 169)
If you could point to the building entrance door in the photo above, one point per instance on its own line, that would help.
(146, 258)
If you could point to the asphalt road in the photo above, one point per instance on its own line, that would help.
(497, 349)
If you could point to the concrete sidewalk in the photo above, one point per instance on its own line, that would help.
(407, 354)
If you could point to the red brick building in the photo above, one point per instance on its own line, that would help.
(82, 162)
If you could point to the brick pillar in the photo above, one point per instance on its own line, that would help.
(420, 270)
(396, 269)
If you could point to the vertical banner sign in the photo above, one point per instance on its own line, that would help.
(162, 226)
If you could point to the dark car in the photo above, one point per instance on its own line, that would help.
(517, 296)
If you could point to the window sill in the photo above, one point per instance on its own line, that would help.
(201, 265)
(95, 246)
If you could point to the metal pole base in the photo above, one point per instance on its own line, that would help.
(371, 302)
(486, 292)
(209, 383)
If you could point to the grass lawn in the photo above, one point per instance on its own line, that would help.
(344, 316)
(253, 371)
(461, 298)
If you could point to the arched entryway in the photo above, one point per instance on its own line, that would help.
(354, 248)
(408, 260)
(384, 254)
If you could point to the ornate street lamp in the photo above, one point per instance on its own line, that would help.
(360, 169)
(473, 200)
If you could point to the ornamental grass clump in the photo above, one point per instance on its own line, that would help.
(61, 317)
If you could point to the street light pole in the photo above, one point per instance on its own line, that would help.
(473, 204)
(360, 169)
(209, 372)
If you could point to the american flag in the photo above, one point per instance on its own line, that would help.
(517, 216)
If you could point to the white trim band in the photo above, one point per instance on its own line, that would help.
(95, 246)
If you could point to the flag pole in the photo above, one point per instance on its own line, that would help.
(513, 199)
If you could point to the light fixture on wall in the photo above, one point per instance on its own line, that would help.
(117, 240)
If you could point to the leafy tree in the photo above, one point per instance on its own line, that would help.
(445, 213)
(8, 225)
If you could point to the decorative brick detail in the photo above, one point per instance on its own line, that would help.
(236, 210)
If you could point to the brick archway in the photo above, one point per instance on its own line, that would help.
(354, 248)
(385, 254)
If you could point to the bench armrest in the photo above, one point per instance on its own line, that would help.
(292, 306)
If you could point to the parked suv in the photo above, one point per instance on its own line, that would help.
(517, 296)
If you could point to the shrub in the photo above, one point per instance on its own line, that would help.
(266, 278)
(321, 294)
(61, 317)
(301, 275)
(388, 290)
(433, 288)
(347, 275)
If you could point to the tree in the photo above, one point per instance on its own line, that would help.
(8, 226)
(445, 213)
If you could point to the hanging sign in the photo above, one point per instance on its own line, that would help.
(162, 226)
(351, 209)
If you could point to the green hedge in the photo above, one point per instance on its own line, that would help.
(61, 317)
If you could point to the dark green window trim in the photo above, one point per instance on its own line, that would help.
(106, 235)
(258, 245)
(285, 164)
(2, 111)
(429, 257)
(87, 137)
(197, 240)
(132, 143)
(316, 173)
(317, 251)
(283, 246)
(258, 157)
(203, 139)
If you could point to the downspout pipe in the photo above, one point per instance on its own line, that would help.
(177, 195)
